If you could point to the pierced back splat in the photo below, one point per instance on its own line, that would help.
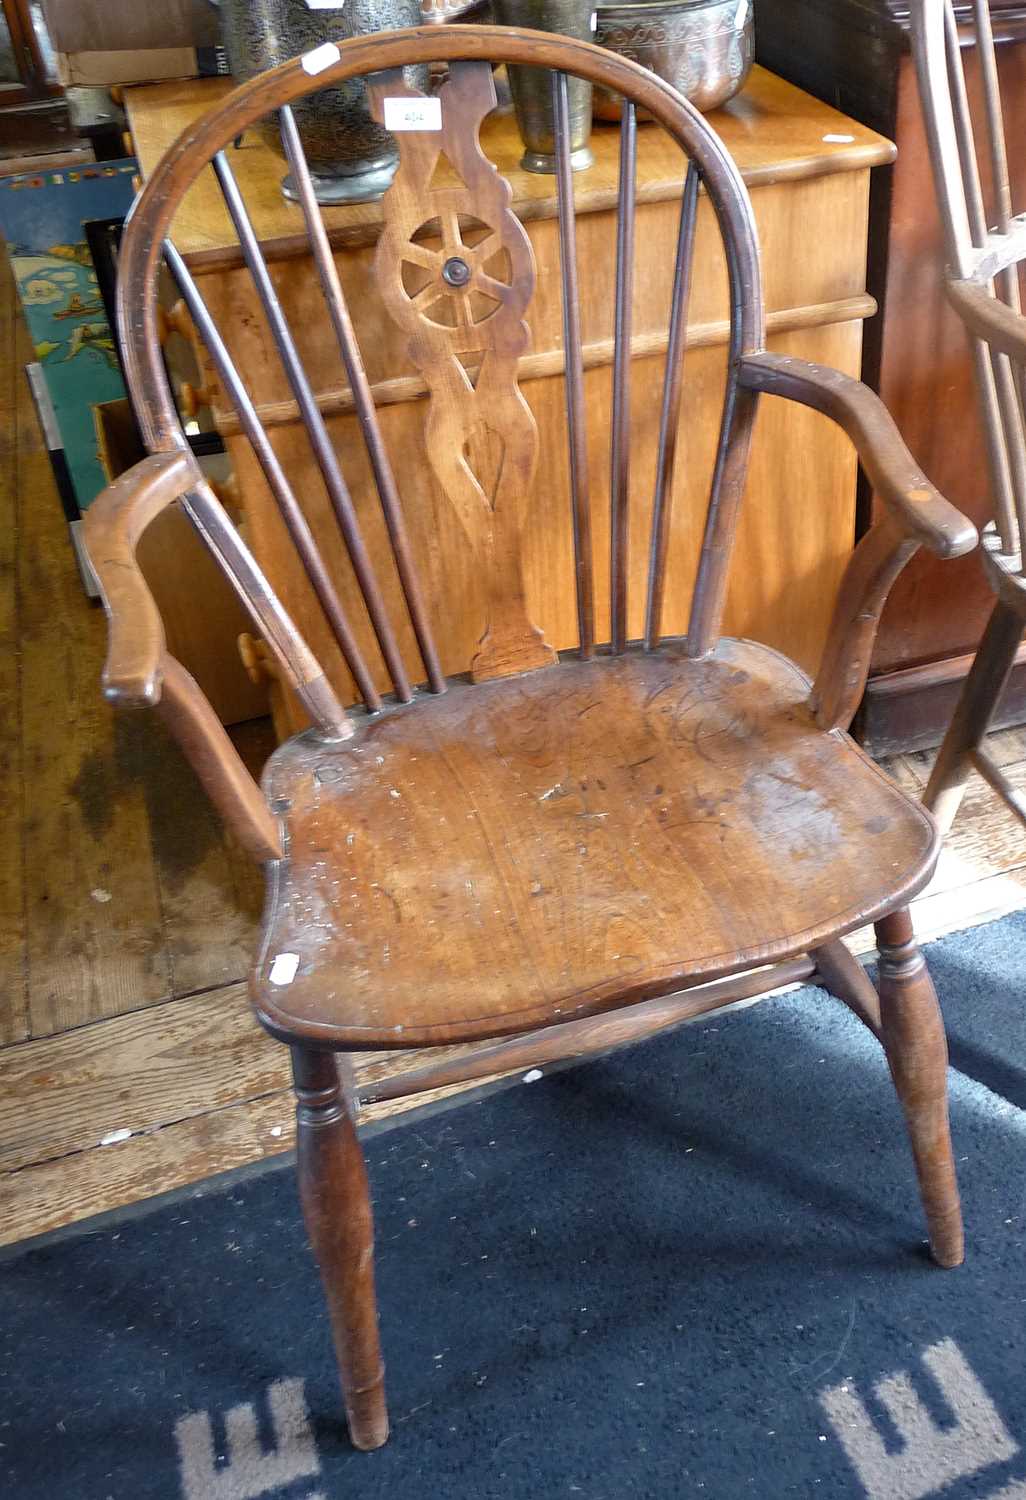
(456, 270)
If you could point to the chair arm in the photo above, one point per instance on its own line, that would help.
(138, 667)
(915, 505)
(990, 319)
(872, 568)
(201, 735)
(111, 529)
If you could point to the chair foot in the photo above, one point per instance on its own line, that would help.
(336, 1206)
(912, 1032)
(367, 1415)
(980, 695)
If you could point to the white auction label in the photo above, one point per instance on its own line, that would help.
(320, 58)
(324, 4)
(413, 114)
(284, 968)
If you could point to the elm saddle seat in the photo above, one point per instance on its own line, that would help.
(603, 831)
(648, 829)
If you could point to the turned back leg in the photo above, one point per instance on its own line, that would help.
(912, 1032)
(336, 1206)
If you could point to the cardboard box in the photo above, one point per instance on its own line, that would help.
(154, 65)
(104, 42)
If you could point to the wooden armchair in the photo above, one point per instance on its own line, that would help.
(986, 247)
(547, 854)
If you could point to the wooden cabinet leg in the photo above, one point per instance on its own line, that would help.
(912, 1032)
(980, 694)
(336, 1206)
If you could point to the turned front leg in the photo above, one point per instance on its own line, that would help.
(912, 1032)
(336, 1206)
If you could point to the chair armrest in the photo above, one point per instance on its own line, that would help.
(844, 667)
(111, 530)
(990, 319)
(915, 505)
(138, 668)
(201, 735)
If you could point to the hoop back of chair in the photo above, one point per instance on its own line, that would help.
(985, 240)
(454, 270)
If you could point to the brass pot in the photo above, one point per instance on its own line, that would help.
(705, 48)
(532, 87)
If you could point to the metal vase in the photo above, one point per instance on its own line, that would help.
(352, 159)
(532, 87)
(705, 48)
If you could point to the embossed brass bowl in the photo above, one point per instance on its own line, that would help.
(705, 48)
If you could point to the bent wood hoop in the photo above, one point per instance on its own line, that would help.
(480, 434)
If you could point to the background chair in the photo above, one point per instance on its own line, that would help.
(546, 854)
(986, 244)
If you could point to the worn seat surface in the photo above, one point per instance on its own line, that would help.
(533, 850)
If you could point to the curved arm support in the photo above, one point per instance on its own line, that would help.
(187, 712)
(138, 668)
(912, 501)
(111, 529)
(872, 568)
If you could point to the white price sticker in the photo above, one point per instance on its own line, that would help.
(413, 114)
(320, 58)
(594, 20)
(284, 968)
(324, 4)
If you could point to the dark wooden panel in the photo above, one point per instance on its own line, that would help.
(911, 709)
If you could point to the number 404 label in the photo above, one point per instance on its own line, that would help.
(413, 114)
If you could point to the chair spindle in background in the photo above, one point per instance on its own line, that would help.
(985, 246)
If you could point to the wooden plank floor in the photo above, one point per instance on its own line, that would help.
(121, 891)
(127, 915)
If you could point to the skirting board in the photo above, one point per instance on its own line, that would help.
(911, 709)
(52, 438)
(62, 477)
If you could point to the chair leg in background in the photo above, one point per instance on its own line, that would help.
(912, 1032)
(981, 692)
(845, 978)
(334, 1193)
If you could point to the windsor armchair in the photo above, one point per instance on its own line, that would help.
(549, 853)
(985, 246)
